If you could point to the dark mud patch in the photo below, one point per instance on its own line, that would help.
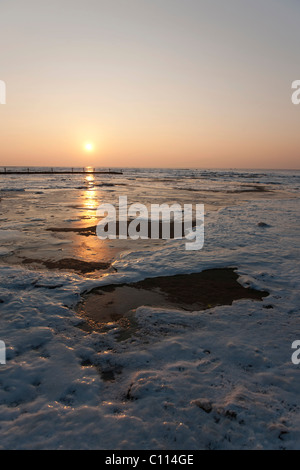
(192, 292)
(251, 188)
(85, 231)
(70, 264)
(247, 188)
(92, 230)
(81, 207)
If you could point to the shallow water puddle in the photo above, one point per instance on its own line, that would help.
(112, 304)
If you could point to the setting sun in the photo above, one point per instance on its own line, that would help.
(89, 147)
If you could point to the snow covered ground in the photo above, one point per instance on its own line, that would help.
(218, 379)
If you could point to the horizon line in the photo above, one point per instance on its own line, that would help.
(153, 168)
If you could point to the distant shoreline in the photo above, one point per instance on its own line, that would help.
(62, 172)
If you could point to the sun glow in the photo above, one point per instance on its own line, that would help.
(89, 146)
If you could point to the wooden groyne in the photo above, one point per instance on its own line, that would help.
(59, 172)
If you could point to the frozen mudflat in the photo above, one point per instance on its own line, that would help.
(219, 378)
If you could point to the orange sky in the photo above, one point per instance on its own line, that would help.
(150, 84)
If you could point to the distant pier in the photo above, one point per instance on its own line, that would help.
(54, 171)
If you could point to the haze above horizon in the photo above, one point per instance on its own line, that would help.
(141, 83)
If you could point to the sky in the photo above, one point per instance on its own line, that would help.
(150, 83)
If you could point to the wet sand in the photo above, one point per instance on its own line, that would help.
(67, 264)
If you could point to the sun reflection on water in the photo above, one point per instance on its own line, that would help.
(90, 199)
